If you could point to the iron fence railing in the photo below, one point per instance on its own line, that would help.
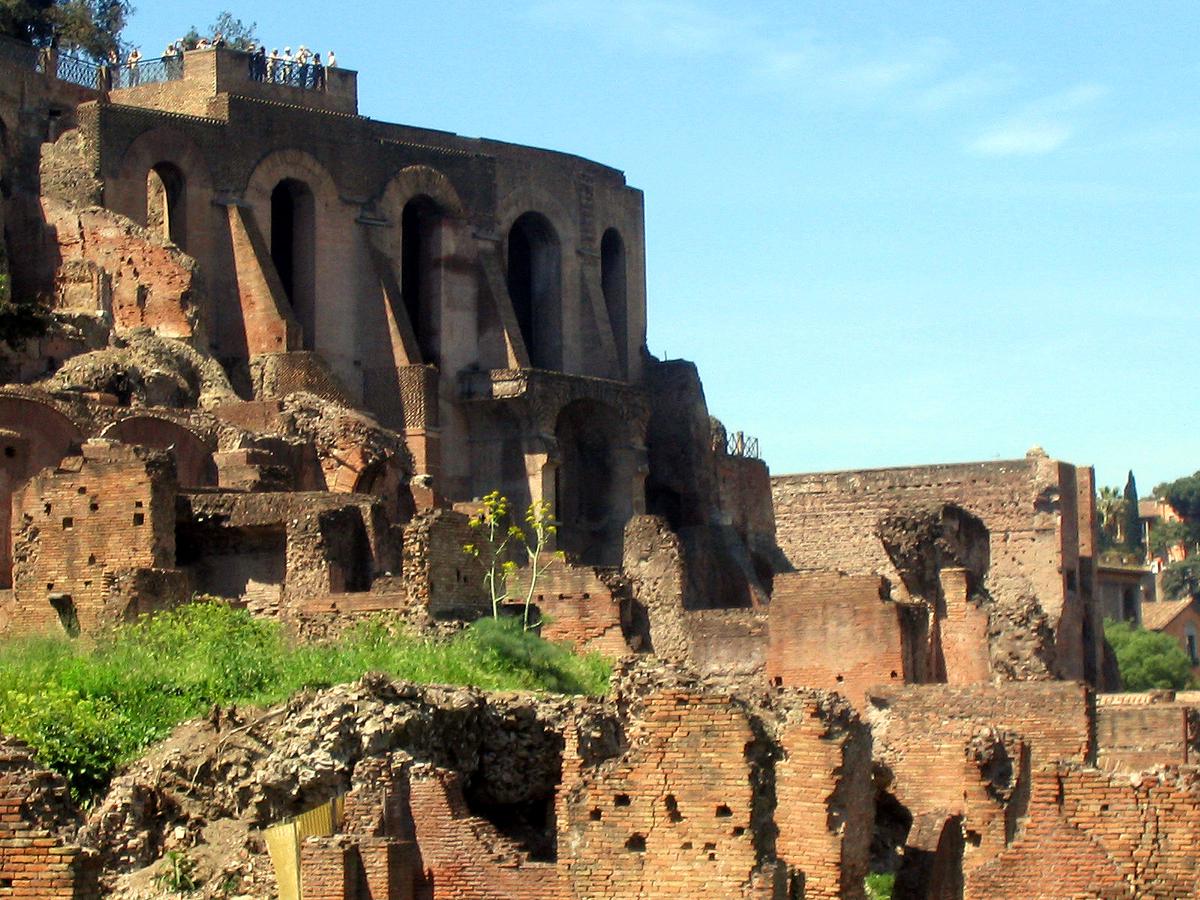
(739, 443)
(306, 76)
(80, 71)
(148, 71)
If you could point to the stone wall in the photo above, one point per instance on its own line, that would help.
(440, 576)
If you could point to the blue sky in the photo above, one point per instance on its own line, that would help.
(887, 233)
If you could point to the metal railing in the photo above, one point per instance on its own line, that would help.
(148, 71)
(77, 71)
(305, 76)
(739, 443)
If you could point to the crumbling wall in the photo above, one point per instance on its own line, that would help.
(1139, 731)
(577, 605)
(85, 525)
(440, 576)
(39, 859)
(707, 793)
(1092, 834)
(843, 633)
(1030, 509)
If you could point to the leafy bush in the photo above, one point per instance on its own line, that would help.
(879, 886)
(86, 710)
(1148, 659)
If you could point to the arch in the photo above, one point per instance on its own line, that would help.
(166, 202)
(194, 465)
(293, 183)
(157, 152)
(293, 249)
(418, 181)
(534, 276)
(593, 481)
(613, 284)
(421, 225)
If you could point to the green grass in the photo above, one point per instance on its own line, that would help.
(879, 886)
(86, 709)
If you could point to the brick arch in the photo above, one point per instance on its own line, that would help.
(126, 194)
(33, 436)
(280, 165)
(193, 458)
(418, 181)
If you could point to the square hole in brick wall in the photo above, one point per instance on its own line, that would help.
(595, 815)
(139, 518)
(621, 800)
(68, 522)
(724, 812)
(94, 506)
(636, 843)
(82, 489)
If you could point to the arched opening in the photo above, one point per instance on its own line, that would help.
(612, 283)
(166, 198)
(535, 286)
(293, 250)
(594, 480)
(419, 276)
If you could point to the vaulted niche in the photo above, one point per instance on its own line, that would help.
(535, 286)
(420, 274)
(593, 482)
(293, 250)
(166, 198)
(612, 283)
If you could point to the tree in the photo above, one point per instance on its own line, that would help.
(1132, 520)
(1148, 660)
(90, 27)
(1182, 579)
(1110, 509)
(1183, 494)
(237, 34)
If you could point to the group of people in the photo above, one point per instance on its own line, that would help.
(304, 69)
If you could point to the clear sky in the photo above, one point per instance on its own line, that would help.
(888, 233)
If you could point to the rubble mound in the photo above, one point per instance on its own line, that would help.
(215, 780)
(142, 369)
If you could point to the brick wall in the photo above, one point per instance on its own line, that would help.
(1136, 736)
(672, 816)
(968, 751)
(438, 574)
(1092, 834)
(35, 862)
(840, 632)
(578, 605)
(829, 521)
(85, 525)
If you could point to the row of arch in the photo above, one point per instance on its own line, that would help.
(289, 183)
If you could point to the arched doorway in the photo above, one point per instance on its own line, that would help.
(166, 202)
(420, 275)
(293, 250)
(535, 287)
(612, 284)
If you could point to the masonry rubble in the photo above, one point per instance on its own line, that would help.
(281, 372)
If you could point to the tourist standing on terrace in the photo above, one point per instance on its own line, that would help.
(135, 56)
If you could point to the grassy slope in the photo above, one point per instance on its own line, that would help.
(88, 709)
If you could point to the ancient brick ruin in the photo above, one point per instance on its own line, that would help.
(290, 349)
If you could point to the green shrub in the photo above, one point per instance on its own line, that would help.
(879, 886)
(1148, 659)
(88, 709)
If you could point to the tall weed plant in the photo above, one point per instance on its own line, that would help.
(87, 709)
